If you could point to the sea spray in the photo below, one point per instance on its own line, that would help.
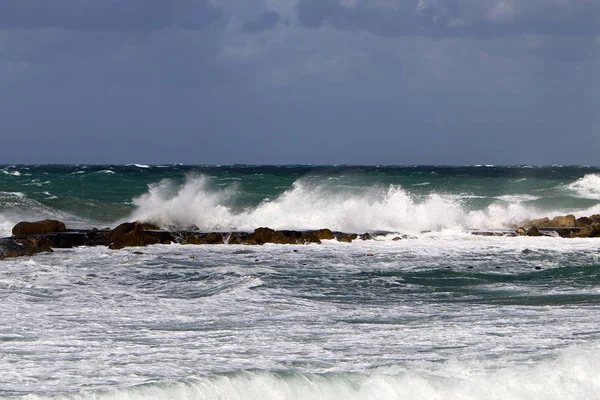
(311, 205)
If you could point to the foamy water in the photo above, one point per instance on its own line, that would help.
(312, 206)
(440, 314)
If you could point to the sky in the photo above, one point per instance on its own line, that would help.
(399, 82)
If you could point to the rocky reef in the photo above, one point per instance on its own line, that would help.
(30, 238)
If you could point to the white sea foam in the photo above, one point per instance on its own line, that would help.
(572, 375)
(309, 206)
(586, 187)
(517, 198)
(106, 171)
(137, 165)
(13, 172)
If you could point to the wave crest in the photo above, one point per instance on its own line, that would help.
(587, 187)
(309, 205)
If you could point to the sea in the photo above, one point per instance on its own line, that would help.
(439, 314)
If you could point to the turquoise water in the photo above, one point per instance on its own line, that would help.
(440, 315)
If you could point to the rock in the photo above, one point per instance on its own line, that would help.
(150, 227)
(38, 228)
(97, 238)
(116, 246)
(583, 221)
(533, 231)
(592, 230)
(397, 238)
(565, 221)
(164, 237)
(268, 235)
(23, 247)
(344, 239)
(131, 234)
(317, 236)
(540, 223)
(521, 231)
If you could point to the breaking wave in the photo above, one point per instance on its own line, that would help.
(587, 187)
(572, 375)
(309, 205)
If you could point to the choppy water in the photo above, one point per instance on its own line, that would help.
(444, 315)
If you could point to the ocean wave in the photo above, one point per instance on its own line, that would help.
(137, 165)
(571, 375)
(587, 187)
(517, 198)
(309, 205)
(12, 173)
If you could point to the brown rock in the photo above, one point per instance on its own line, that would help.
(521, 231)
(150, 227)
(583, 221)
(317, 236)
(268, 235)
(132, 234)
(344, 239)
(540, 223)
(565, 221)
(533, 231)
(38, 228)
(592, 230)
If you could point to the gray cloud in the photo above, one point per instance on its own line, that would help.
(440, 18)
(109, 15)
(268, 20)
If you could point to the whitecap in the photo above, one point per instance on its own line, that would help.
(12, 173)
(309, 205)
(587, 187)
(137, 165)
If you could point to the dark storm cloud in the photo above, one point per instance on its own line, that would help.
(267, 21)
(109, 15)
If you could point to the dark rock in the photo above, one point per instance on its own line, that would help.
(116, 246)
(150, 227)
(592, 230)
(23, 247)
(203, 238)
(521, 231)
(583, 221)
(321, 234)
(132, 234)
(533, 231)
(98, 238)
(344, 239)
(268, 235)
(38, 228)
(164, 237)
(397, 238)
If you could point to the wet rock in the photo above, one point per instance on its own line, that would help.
(318, 235)
(23, 247)
(267, 235)
(98, 238)
(132, 234)
(164, 237)
(150, 227)
(592, 230)
(533, 231)
(397, 238)
(583, 221)
(204, 238)
(521, 231)
(344, 239)
(38, 228)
